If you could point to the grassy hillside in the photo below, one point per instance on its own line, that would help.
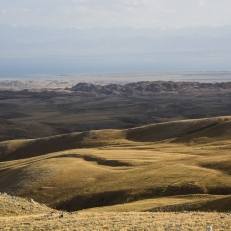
(113, 167)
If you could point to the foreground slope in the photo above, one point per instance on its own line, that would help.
(109, 167)
(21, 214)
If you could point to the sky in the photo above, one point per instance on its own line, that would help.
(40, 36)
(110, 13)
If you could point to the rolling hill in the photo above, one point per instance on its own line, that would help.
(157, 165)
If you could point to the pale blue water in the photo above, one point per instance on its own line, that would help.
(28, 67)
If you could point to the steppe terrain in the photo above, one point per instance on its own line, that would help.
(140, 156)
(145, 178)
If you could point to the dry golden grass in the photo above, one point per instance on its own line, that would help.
(21, 214)
(120, 221)
(112, 167)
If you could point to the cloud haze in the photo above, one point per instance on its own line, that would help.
(110, 13)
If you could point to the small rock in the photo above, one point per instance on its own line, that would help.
(210, 228)
(62, 215)
(32, 201)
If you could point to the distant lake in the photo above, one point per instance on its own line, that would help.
(28, 67)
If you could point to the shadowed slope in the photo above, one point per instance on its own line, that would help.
(184, 128)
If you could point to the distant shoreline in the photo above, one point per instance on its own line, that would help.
(127, 77)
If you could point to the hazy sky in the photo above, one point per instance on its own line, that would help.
(109, 13)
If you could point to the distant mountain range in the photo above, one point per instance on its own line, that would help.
(194, 42)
